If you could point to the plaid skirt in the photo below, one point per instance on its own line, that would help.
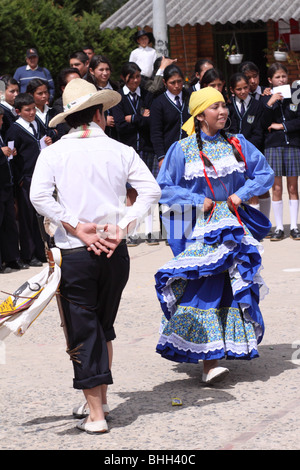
(285, 161)
(151, 161)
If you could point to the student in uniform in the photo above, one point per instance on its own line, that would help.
(9, 237)
(244, 111)
(132, 121)
(64, 77)
(281, 125)
(39, 90)
(8, 104)
(25, 134)
(99, 74)
(169, 111)
(201, 66)
(252, 73)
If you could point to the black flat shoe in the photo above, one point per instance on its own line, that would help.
(295, 234)
(35, 262)
(18, 264)
(277, 235)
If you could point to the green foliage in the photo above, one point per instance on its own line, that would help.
(57, 29)
(115, 44)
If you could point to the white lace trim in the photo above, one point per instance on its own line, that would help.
(182, 345)
(200, 231)
(225, 166)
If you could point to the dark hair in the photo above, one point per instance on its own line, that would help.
(274, 68)
(1, 111)
(9, 80)
(129, 68)
(199, 64)
(83, 117)
(80, 55)
(207, 162)
(88, 47)
(171, 70)
(248, 66)
(34, 84)
(23, 99)
(95, 61)
(237, 77)
(98, 59)
(198, 68)
(210, 76)
(62, 76)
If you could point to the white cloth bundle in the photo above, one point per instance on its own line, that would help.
(30, 299)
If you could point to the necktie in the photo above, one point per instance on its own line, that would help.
(34, 131)
(242, 112)
(177, 101)
(134, 98)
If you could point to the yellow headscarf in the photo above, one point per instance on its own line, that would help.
(199, 101)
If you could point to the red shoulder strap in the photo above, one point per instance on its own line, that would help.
(236, 143)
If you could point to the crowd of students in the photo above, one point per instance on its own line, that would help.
(149, 117)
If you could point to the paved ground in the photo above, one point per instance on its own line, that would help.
(256, 407)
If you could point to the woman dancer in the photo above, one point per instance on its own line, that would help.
(210, 291)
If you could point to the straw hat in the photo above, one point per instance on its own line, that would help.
(80, 94)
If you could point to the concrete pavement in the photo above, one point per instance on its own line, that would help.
(256, 407)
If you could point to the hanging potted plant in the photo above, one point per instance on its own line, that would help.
(279, 50)
(232, 53)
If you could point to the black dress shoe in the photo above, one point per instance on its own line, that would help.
(17, 264)
(35, 262)
(277, 235)
(5, 270)
(151, 241)
(295, 234)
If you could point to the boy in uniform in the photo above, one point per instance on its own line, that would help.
(25, 134)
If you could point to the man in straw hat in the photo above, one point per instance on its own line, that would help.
(89, 171)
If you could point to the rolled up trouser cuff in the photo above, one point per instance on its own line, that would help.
(91, 382)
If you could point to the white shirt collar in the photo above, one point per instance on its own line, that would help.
(246, 101)
(126, 90)
(29, 68)
(172, 97)
(9, 106)
(106, 87)
(42, 114)
(26, 124)
(258, 90)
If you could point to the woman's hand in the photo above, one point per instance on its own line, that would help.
(233, 200)
(110, 121)
(276, 126)
(207, 205)
(275, 97)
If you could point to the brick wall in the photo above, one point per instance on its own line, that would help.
(293, 68)
(190, 43)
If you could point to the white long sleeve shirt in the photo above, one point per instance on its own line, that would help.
(144, 57)
(90, 176)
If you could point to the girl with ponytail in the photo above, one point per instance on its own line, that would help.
(210, 291)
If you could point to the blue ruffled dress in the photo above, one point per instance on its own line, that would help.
(210, 291)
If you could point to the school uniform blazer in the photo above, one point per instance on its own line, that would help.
(136, 133)
(166, 122)
(49, 131)
(28, 149)
(286, 113)
(249, 124)
(8, 119)
(6, 180)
